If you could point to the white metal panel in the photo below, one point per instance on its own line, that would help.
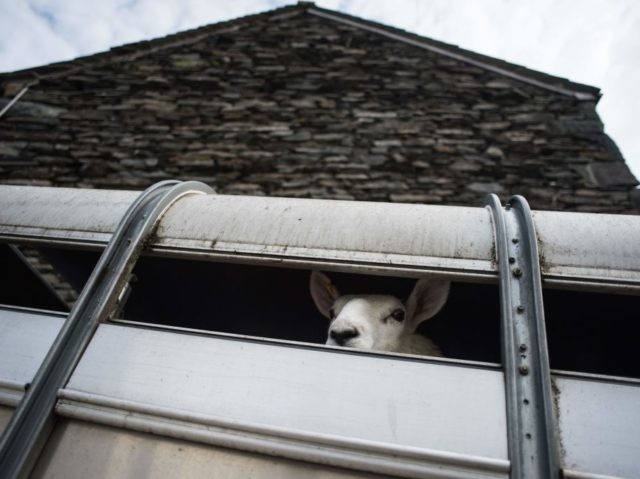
(25, 338)
(578, 249)
(599, 425)
(83, 450)
(349, 453)
(416, 236)
(448, 239)
(598, 248)
(69, 215)
(404, 402)
(569, 474)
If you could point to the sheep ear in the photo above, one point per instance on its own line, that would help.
(323, 292)
(426, 299)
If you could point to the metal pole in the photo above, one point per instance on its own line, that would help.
(533, 446)
(32, 421)
(15, 99)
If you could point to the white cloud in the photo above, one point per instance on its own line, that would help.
(590, 41)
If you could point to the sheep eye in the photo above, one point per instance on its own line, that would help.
(332, 313)
(398, 315)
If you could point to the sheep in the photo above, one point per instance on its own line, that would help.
(380, 322)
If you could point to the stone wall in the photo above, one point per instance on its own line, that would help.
(297, 105)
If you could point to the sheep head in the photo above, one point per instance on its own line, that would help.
(379, 322)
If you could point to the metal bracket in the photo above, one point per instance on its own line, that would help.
(33, 419)
(532, 442)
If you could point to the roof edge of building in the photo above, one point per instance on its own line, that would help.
(136, 49)
(558, 84)
(144, 47)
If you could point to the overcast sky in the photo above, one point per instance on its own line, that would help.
(596, 42)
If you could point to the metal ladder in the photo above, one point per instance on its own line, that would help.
(531, 431)
(34, 418)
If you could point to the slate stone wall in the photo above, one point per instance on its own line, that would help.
(306, 107)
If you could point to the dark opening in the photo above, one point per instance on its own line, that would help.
(587, 332)
(276, 303)
(22, 285)
(593, 332)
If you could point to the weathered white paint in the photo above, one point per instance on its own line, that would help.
(333, 405)
(25, 338)
(69, 215)
(597, 248)
(578, 249)
(286, 229)
(347, 453)
(79, 449)
(599, 425)
(404, 402)
(411, 236)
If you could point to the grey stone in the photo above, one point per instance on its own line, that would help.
(518, 136)
(494, 125)
(375, 160)
(495, 152)
(31, 109)
(465, 165)
(10, 150)
(352, 176)
(453, 132)
(485, 106)
(187, 61)
(498, 84)
(387, 143)
(533, 117)
(577, 126)
(611, 174)
(375, 114)
(414, 198)
(485, 188)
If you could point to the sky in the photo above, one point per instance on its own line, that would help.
(596, 42)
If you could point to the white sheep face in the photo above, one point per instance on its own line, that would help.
(372, 317)
(379, 322)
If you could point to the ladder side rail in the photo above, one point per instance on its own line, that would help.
(34, 417)
(532, 443)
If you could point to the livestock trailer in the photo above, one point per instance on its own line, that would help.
(193, 348)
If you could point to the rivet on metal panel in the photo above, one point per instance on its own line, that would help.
(512, 260)
(520, 309)
(524, 369)
(523, 347)
(517, 272)
(515, 240)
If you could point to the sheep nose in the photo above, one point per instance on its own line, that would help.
(341, 337)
